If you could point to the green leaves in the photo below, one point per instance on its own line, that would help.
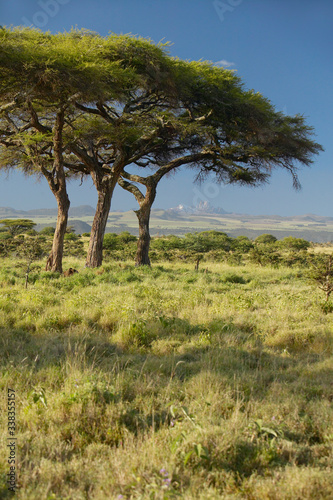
(17, 226)
(265, 431)
(39, 397)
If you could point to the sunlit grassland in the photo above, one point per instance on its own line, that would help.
(166, 382)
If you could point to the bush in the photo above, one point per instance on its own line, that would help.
(47, 231)
(126, 237)
(71, 237)
(295, 244)
(242, 244)
(206, 241)
(73, 247)
(265, 239)
(110, 241)
(5, 236)
(170, 242)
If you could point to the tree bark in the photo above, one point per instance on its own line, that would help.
(105, 184)
(54, 261)
(143, 215)
(57, 183)
(95, 250)
(142, 253)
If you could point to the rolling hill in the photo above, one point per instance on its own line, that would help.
(181, 220)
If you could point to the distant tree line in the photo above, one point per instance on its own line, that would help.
(121, 111)
(18, 235)
(214, 246)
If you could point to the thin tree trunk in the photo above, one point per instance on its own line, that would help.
(57, 183)
(105, 184)
(54, 261)
(95, 250)
(143, 215)
(142, 253)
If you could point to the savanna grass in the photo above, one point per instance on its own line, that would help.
(167, 382)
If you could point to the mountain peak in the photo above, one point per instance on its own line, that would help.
(203, 207)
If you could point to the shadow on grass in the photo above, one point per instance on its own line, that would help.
(232, 351)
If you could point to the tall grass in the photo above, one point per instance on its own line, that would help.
(167, 383)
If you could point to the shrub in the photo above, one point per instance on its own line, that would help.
(321, 272)
(126, 237)
(70, 237)
(265, 239)
(242, 244)
(47, 231)
(295, 244)
(110, 241)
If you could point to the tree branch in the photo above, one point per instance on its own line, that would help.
(132, 189)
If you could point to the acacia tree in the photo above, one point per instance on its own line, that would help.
(43, 78)
(37, 149)
(153, 123)
(17, 226)
(233, 133)
(120, 131)
(78, 102)
(128, 182)
(93, 106)
(204, 118)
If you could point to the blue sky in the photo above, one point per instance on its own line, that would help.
(281, 48)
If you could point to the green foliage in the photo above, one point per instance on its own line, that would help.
(266, 250)
(126, 237)
(73, 246)
(119, 246)
(17, 226)
(207, 240)
(111, 241)
(242, 244)
(295, 244)
(170, 242)
(321, 272)
(71, 237)
(31, 248)
(265, 239)
(5, 235)
(47, 231)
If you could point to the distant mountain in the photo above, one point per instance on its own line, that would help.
(9, 212)
(80, 211)
(203, 207)
(79, 226)
(42, 212)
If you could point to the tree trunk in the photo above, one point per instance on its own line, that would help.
(143, 215)
(142, 253)
(54, 261)
(95, 250)
(57, 183)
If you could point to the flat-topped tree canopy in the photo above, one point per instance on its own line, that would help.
(249, 137)
(17, 226)
(220, 128)
(101, 103)
(54, 66)
(49, 81)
